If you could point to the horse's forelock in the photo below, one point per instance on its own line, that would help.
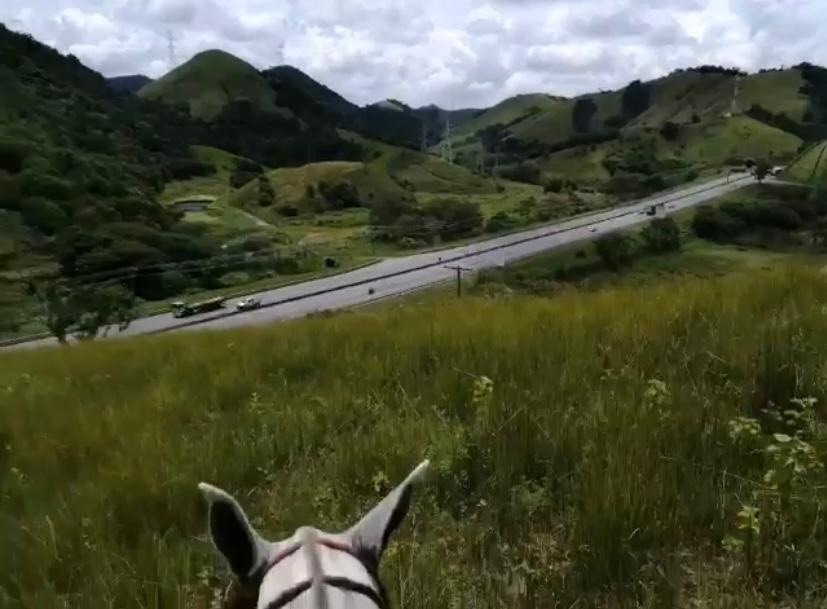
(323, 574)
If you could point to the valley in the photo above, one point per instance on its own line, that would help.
(600, 316)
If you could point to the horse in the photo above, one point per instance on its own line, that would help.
(312, 569)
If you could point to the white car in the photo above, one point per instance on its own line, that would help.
(248, 304)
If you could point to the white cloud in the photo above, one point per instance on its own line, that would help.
(455, 53)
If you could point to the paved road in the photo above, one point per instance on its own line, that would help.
(396, 276)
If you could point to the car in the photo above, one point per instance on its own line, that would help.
(593, 229)
(248, 304)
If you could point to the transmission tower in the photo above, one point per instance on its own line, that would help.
(736, 90)
(446, 151)
(173, 58)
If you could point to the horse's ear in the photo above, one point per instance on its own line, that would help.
(232, 534)
(371, 534)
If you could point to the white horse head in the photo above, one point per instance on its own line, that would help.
(312, 569)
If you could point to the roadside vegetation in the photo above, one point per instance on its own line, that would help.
(649, 446)
(757, 227)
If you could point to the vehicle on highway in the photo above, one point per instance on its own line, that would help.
(651, 210)
(185, 309)
(248, 304)
(776, 171)
(593, 229)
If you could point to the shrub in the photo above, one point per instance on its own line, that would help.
(10, 191)
(456, 217)
(286, 265)
(43, 185)
(340, 195)
(615, 250)
(553, 185)
(713, 224)
(184, 169)
(670, 131)
(409, 243)
(525, 171)
(290, 211)
(500, 221)
(42, 215)
(174, 282)
(13, 153)
(662, 235)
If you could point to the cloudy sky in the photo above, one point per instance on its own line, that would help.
(457, 53)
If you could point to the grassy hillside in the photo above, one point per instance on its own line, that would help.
(714, 141)
(811, 166)
(423, 172)
(605, 463)
(508, 111)
(208, 82)
(775, 90)
(216, 184)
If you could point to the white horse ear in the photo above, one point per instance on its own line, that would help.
(232, 534)
(371, 534)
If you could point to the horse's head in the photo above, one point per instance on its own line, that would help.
(312, 568)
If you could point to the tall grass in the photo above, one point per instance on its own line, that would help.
(597, 469)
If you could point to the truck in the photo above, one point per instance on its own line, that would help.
(185, 309)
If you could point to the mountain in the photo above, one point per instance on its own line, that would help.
(81, 168)
(209, 82)
(128, 84)
(288, 76)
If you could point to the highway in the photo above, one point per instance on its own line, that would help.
(401, 275)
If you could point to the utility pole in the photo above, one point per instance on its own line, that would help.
(459, 269)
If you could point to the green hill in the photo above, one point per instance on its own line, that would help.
(211, 80)
(508, 111)
(684, 97)
(287, 76)
(811, 166)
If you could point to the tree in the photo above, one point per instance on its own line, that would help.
(456, 217)
(670, 131)
(662, 235)
(553, 185)
(57, 308)
(100, 308)
(635, 99)
(84, 310)
(614, 250)
(43, 215)
(582, 113)
(762, 169)
(340, 194)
